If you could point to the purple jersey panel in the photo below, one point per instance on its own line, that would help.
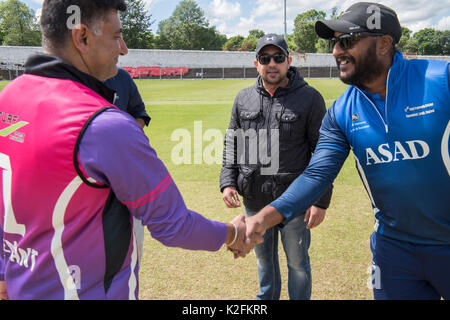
(115, 151)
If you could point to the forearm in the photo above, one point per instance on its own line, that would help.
(328, 159)
(228, 178)
(190, 231)
(325, 199)
(3, 292)
(140, 122)
(146, 187)
(270, 216)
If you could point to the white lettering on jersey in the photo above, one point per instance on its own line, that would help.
(444, 148)
(412, 150)
(26, 258)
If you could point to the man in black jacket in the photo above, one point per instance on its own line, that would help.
(273, 131)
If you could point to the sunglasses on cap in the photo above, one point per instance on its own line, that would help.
(348, 40)
(264, 59)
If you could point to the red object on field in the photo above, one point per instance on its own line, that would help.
(155, 71)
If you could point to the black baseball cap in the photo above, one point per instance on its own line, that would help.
(274, 40)
(363, 17)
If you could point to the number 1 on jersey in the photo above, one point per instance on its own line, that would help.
(10, 226)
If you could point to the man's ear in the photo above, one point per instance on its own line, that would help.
(80, 37)
(255, 63)
(385, 45)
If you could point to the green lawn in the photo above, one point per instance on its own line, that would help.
(3, 84)
(340, 253)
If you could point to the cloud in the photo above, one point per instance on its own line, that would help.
(444, 23)
(414, 14)
(150, 3)
(266, 8)
(38, 14)
(224, 9)
(219, 11)
(268, 15)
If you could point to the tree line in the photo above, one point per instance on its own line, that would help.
(188, 29)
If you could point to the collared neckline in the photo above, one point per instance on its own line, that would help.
(50, 66)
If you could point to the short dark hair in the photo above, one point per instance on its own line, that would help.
(54, 17)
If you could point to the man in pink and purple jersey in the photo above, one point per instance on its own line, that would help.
(71, 181)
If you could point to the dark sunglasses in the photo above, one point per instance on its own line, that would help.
(348, 40)
(264, 59)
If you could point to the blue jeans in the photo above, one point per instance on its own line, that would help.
(296, 240)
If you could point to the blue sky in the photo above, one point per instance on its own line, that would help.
(233, 17)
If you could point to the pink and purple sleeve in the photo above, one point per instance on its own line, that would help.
(2, 257)
(115, 152)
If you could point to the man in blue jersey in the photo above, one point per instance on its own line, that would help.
(395, 118)
(127, 97)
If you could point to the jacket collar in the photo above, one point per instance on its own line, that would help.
(397, 69)
(50, 66)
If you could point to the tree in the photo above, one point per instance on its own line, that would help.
(411, 46)
(234, 43)
(188, 29)
(255, 34)
(136, 23)
(432, 42)
(291, 43)
(304, 34)
(18, 25)
(323, 45)
(443, 40)
(239, 43)
(404, 40)
(249, 44)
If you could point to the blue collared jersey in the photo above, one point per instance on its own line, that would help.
(401, 152)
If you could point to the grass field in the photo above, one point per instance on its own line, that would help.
(340, 253)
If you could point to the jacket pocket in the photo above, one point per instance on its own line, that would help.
(246, 182)
(250, 119)
(282, 181)
(289, 125)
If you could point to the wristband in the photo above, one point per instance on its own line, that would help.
(235, 234)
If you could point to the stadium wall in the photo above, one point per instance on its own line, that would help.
(201, 64)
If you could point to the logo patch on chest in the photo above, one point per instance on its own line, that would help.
(426, 109)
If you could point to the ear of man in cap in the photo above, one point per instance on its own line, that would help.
(367, 17)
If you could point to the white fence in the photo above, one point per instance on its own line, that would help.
(218, 64)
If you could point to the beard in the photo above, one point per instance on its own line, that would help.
(274, 81)
(366, 69)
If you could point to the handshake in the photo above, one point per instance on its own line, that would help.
(247, 231)
(243, 235)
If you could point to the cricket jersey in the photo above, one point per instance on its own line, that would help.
(401, 152)
(71, 183)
